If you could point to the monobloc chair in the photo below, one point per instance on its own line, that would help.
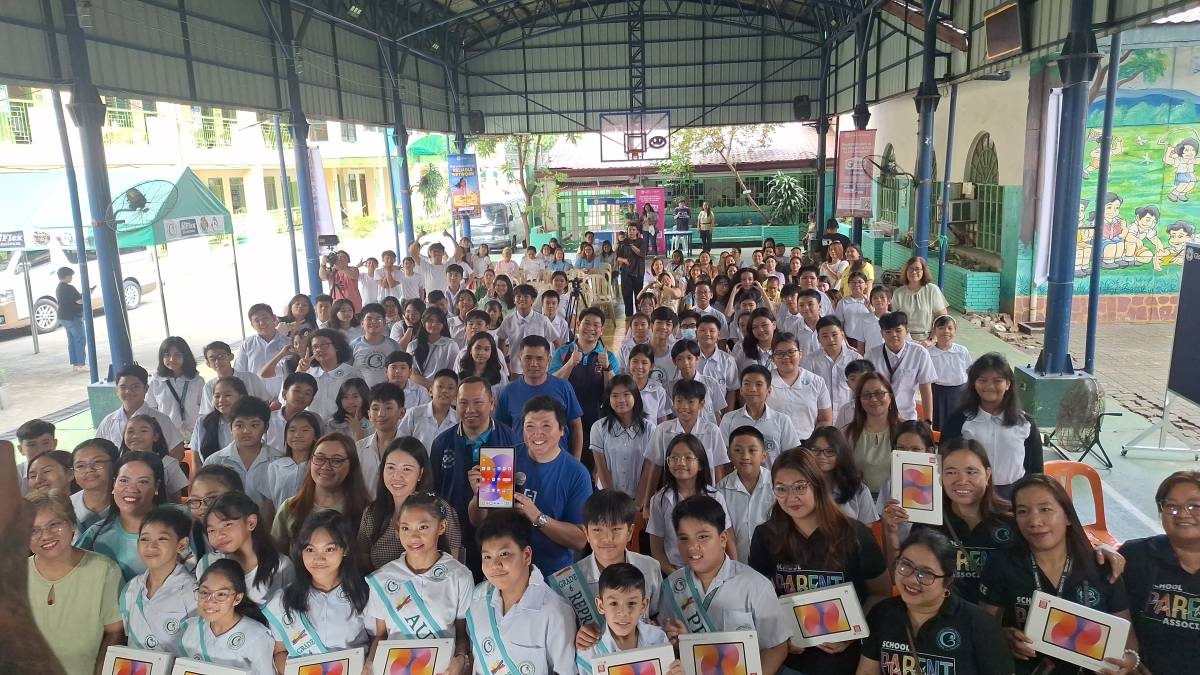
(1066, 472)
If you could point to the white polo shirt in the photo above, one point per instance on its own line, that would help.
(415, 394)
(257, 351)
(907, 371)
(1005, 445)
(368, 460)
(156, 623)
(950, 365)
(248, 646)
(806, 339)
(708, 433)
(443, 593)
(854, 315)
(654, 400)
(711, 311)
(833, 371)
(739, 599)
(622, 449)
(776, 427)
(722, 367)
(441, 355)
(112, 427)
(324, 402)
(433, 275)
(254, 477)
(285, 573)
(254, 387)
(284, 476)
(661, 524)
(801, 400)
(420, 423)
(184, 410)
(714, 397)
(648, 635)
(538, 633)
(515, 328)
(331, 616)
(627, 346)
(744, 509)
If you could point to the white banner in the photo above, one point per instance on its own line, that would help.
(316, 174)
(1045, 210)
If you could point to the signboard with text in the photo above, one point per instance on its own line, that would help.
(464, 186)
(854, 184)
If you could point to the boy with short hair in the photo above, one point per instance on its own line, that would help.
(685, 355)
(663, 322)
(426, 421)
(831, 359)
(34, 439)
(516, 623)
(747, 491)
(384, 413)
(810, 279)
(703, 294)
(907, 365)
(267, 341)
(437, 298)
(372, 347)
(687, 397)
(155, 602)
(854, 371)
(133, 382)
(454, 280)
(324, 308)
(714, 593)
(248, 455)
(809, 304)
(299, 390)
(550, 310)
(788, 317)
(398, 367)
(409, 282)
(623, 601)
(778, 431)
(431, 268)
(608, 521)
(219, 356)
(745, 306)
(519, 324)
(714, 361)
(639, 334)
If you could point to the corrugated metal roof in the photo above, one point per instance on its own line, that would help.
(1186, 16)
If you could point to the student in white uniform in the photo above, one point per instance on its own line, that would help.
(777, 429)
(332, 364)
(176, 388)
(236, 530)
(798, 393)
(951, 361)
(155, 603)
(229, 629)
(212, 429)
(516, 623)
(608, 522)
(93, 466)
(143, 434)
(622, 601)
(520, 324)
(907, 366)
(432, 347)
(715, 593)
(285, 474)
(399, 367)
(426, 592)
(835, 459)
(687, 400)
(688, 474)
(427, 421)
(747, 491)
(248, 455)
(132, 387)
(619, 437)
(830, 359)
(322, 610)
(219, 356)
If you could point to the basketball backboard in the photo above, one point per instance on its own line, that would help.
(626, 136)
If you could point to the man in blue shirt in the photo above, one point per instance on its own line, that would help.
(551, 487)
(588, 366)
(536, 381)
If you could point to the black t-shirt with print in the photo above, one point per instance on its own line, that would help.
(1165, 602)
(864, 562)
(1008, 583)
(975, 545)
(960, 640)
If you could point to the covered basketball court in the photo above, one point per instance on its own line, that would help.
(470, 67)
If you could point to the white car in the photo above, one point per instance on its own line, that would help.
(137, 271)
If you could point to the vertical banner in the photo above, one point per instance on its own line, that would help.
(657, 199)
(464, 186)
(854, 184)
(320, 193)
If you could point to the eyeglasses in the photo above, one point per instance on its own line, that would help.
(95, 465)
(785, 354)
(195, 503)
(783, 491)
(823, 452)
(925, 576)
(335, 462)
(321, 345)
(1172, 509)
(223, 595)
(54, 528)
(874, 395)
(681, 460)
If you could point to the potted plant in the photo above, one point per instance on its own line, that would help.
(787, 198)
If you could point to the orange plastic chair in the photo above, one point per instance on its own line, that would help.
(1066, 472)
(189, 458)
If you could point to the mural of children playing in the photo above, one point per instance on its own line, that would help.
(1118, 147)
(1182, 156)
(1113, 233)
(1083, 244)
(1179, 235)
(1143, 228)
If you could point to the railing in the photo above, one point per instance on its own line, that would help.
(14, 124)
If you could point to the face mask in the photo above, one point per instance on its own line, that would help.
(687, 333)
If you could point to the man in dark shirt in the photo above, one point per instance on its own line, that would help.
(70, 315)
(683, 216)
(631, 261)
(832, 235)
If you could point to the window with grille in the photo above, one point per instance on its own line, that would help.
(349, 132)
(318, 131)
(266, 125)
(217, 187)
(212, 127)
(271, 192)
(237, 195)
(14, 115)
(983, 169)
(352, 187)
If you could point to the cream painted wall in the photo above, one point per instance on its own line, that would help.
(995, 107)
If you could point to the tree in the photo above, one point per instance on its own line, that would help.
(1148, 64)
(528, 153)
(692, 144)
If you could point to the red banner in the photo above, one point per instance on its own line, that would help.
(854, 184)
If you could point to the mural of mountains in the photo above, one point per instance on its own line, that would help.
(1149, 106)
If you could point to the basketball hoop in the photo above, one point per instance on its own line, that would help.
(628, 136)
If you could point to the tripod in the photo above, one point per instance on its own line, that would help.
(576, 300)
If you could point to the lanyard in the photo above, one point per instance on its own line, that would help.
(179, 399)
(887, 361)
(1062, 581)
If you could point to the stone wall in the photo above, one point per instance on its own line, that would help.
(1113, 308)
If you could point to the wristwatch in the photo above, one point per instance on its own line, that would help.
(542, 521)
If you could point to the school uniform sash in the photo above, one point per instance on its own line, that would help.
(486, 641)
(296, 633)
(408, 610)
(571, 583)
(690, 605)
(598, 649)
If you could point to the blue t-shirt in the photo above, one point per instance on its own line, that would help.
(558, 488)
(109, 538)
(515, 394)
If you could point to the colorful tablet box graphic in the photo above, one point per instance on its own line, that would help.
(726, 658)
(918, 486)
(124, 666)
(647, 667)
(410, 661)
(496, 474)
(338, 667)
(1075, 633)
(822, 618)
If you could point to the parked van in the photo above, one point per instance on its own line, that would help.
(137, 270)
(501, 224)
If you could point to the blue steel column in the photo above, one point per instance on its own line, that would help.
(862, 112)
(87, 111)
(1110, 99)
(1077, 66)
(822, 129)
(401, 137)
(943, 240)
(460, 140)
(927, 102)
(308, 212)
(85, 282)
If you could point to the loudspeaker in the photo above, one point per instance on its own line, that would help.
(802, 108)
(475, 121)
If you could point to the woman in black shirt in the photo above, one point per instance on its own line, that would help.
(928, 625)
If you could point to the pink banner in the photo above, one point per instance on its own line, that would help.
(657, 199)
(854, 184)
